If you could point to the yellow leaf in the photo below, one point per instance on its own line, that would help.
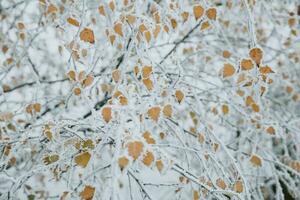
(211, 13)
(118, 29)
(167, 111)
(142, 28)
(246, 64)
(265, 70)
(228, 70)
(225, 109)
(101, 10)
(173, 23)
(112, 5)
(154, 113)
(256, 160)
(51, 9)
(135, 149)
(148, 158)
(123, 162)
(131, 19)
(249, 101)
(156, 30)
(87, 35)
(226, 54)
(221, 183)
(148, 83)
(116, 75)
(179, 96)
(82, 159)
(198, 11)
(106, 114)
(185, 16)
(205, 25)
(87, 193)
(271, 130)
(149, 139)
(112, 39)
(49, 159)
(147, 36)
(72, 75)
(123, 100)
(37, 107)
(159, 165)
(256, 54)
(73, 21)
(238, 187)
(146, 71)
(77, 91)
(255, 107)
(196, 195)
(88, 81)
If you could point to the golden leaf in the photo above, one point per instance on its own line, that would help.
(211, 13)
(131, 19)
(146, 71)
(198, 11)
(167, 110)
(173, 23)
(154, 113)
(149, 139)
(49, 159)
(148, 83)
(147, 36)
(82, 159)
(101, 10)
(156, 30)
(71, 75)
(221, 183)
(118, 29)
(123, 162)
(37, 107)
(225, 109)
(179, 96)
(106, 114)
(256, 160)
(77, 91)
(135, 149)
(238, 186)
(116, 75)
(51, 9)
(255, 107)
(228, 70)
(246, 64)
(87, 35)
(148, 158)
(88, 81)
(196, 195)
(123, 100)
(226, 54)
(205, 25)
(87, 193)
(112, 5)
(256, 54)
(265, 70)
(159, 165)
(185, 16)
(73, 21)
(271, 130)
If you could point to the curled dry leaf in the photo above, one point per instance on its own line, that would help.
(135, 149)
(228, 70)
(211, 13)
(82, 159)
(154, 113)
(198, 11)
(123, 162)
(87, 193)
(49, 159)
(106, 114)
(87, 35)
(256, 54)
(148, 158)
(256, 160)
